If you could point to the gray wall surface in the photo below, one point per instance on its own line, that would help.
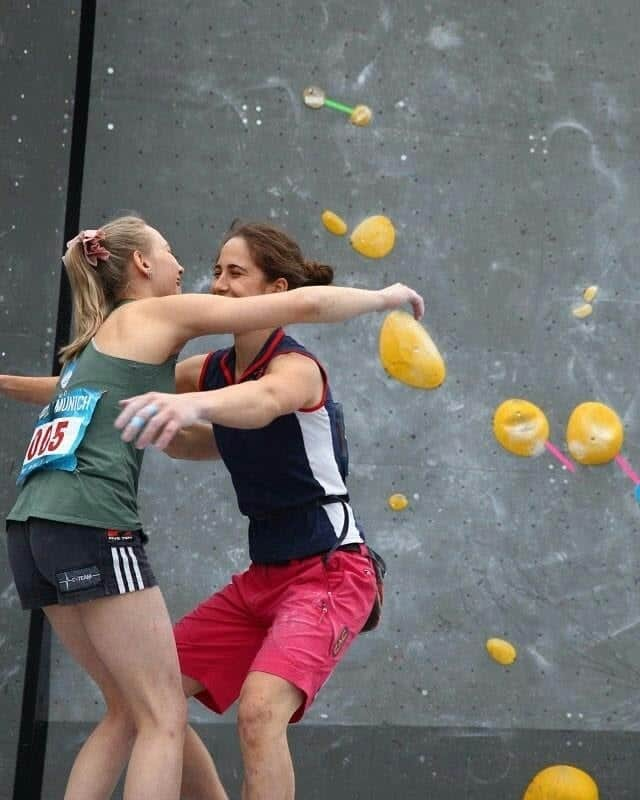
(38, 44)
(505, 149)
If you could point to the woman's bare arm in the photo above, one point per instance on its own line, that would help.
(188, 373)
(194, 315)
(292, 382)
(38, 390)
(195, 443)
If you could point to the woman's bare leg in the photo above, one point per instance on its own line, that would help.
(131, 636)
(267, 703)
(102, 757)
(200, 780)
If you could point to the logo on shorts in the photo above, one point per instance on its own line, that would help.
(119, 536)
(74, 580)
(339, 642)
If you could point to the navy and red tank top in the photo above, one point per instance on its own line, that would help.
(286, 473)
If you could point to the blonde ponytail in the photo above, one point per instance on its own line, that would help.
(98, 283)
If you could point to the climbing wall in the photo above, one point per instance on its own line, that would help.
(503, 150)
(37, 76)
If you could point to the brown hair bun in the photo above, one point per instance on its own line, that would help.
(318, 274)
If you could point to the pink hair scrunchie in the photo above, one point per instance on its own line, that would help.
(91, 242)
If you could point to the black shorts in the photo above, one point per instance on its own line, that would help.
(63, 563)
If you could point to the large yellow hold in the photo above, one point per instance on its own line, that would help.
(562, 782)
(374, 237)
(408, 353)
(521, 427)
(594, 433)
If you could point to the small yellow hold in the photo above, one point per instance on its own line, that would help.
(562, 782)
(398, 502)
(333, 223)
(408, 353)
(501, 651)
(582, 311)
(594, 433)
(374, 237)
(361, 116)
(521, 427)
(590, 293)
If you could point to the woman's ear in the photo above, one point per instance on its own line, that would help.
(280, 285)
(140, 265)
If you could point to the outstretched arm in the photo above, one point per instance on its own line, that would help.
(292, 382)
(196, 315)
(195, 443)
(38, 390)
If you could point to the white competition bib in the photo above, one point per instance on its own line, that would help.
(60, 428)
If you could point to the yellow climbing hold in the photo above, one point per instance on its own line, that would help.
(333, 223)
(562, 782)
(408, 353)
(374, 237)
(520, 427)
(583, 311)
(398, 502)
(361, 116)
(590, 293)
(594, 433)
(501, 651)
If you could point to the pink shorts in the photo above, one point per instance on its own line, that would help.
(295, 621)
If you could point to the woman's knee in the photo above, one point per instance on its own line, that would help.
(119, 718)
(169, 712)
(163, 706)
(259, 719)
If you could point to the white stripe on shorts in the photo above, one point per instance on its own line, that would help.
(116, 569)
(136, 568)
(127, 571)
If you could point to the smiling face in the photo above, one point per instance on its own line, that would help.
(166, 272)
(235, 274)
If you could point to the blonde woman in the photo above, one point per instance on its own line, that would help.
(75, 540)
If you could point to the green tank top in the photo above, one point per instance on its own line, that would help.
(102, 490)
